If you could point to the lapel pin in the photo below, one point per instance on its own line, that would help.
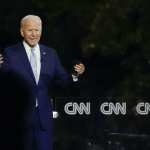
(44, 53)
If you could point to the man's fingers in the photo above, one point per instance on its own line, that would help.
(1, 59)
(80, 68)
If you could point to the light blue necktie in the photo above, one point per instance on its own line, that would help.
(33, 62)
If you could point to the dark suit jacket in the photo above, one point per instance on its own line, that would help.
(15, 60)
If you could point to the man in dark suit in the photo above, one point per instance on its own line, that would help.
(39, 67)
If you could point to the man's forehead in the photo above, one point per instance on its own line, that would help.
(32, 24)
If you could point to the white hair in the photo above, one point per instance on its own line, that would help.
(30, 17)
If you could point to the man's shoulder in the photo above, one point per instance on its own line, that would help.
(47, 49)
(14, 47)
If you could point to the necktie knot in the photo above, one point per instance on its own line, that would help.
(32, 50)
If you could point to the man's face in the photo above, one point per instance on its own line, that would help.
(31, 31)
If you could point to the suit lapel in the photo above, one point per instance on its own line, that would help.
(25, 62)
(43, 60)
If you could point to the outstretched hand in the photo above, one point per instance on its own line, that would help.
(1, 59)
(79, 68)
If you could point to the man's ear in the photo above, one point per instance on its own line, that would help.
(21, 32)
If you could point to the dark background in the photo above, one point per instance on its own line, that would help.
(112, 38)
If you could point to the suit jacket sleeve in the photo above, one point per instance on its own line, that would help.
(6, 65)
(62, 78)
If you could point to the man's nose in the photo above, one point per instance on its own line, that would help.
(34, 33)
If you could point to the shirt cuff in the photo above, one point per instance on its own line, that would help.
(75, 78)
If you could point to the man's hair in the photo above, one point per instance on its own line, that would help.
(28, 17)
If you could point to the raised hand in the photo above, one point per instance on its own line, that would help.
(1, 59)
(79, 68)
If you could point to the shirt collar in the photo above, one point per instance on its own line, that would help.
(27, 47)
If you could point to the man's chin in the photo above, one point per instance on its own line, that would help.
(32, 44)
